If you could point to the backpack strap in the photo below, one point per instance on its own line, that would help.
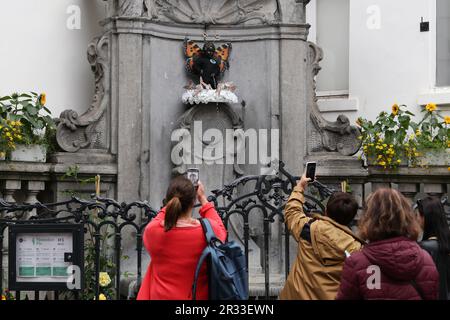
(305, 234)
(210, 236)
(202, 258)
(418, 289)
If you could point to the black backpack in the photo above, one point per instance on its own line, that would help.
(227, 270)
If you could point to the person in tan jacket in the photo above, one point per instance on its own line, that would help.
(324, 242)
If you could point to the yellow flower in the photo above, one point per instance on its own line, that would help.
(447, 119)
(431, 107)
(101, 297)
(2, 154)
(42, 99)
(395, 109)
(104, 279)
(448, 144)
(382, 163)
(418, 132)
(8, 134)
(3, 297)
(399, 161)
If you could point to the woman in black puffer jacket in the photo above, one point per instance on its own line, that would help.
(436, 240)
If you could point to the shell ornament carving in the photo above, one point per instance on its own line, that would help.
(203, 11)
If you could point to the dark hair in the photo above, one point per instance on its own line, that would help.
(180, 197)
(342, 208)
(388, 214)
(435, 222)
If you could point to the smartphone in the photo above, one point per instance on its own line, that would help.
(193, 174)
(311, 170)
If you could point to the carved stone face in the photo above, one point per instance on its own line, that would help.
(209, 49)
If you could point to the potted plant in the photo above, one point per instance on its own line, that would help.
(385, 142)
(432, 134)
(394, 139)
(27, 126)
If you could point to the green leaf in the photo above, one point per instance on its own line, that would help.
(5, 98)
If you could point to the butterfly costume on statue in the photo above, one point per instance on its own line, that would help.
(209, 63)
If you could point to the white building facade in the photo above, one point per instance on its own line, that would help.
(376, 55)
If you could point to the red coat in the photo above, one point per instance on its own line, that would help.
(400, 261)
(174, 256)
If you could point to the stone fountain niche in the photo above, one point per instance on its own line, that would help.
(140, 75)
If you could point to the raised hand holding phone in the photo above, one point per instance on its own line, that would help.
(303, 182)
(311, 170)
(201, 196)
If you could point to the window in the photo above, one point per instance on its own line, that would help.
(333, 31)
(443, 43)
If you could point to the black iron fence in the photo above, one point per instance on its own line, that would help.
(109, 225)
(106, 222)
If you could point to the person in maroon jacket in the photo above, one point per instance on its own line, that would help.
(392, 265)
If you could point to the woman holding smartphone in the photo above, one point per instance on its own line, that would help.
(175, 242)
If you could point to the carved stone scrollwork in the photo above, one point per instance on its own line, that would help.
(76, 132)
(338, 136)
(202, 11)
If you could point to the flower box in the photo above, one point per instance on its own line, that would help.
(371, 161)
(433, 157)
(29, 153)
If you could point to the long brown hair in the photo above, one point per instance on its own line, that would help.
(180, 197)
(388, 214)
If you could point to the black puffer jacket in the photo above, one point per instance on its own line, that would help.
(442, 262)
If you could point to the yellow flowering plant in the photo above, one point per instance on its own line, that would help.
(433, 131)
(395, 139)
(24, 119)
(106, 285)
(7, 295)
(385, 141)
(10, 135)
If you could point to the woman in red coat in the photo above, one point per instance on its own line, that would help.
(175, 242)
(392, 265)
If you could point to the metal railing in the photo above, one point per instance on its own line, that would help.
(260, 196)
(249, 201)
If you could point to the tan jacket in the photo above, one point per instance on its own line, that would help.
(316, 272)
